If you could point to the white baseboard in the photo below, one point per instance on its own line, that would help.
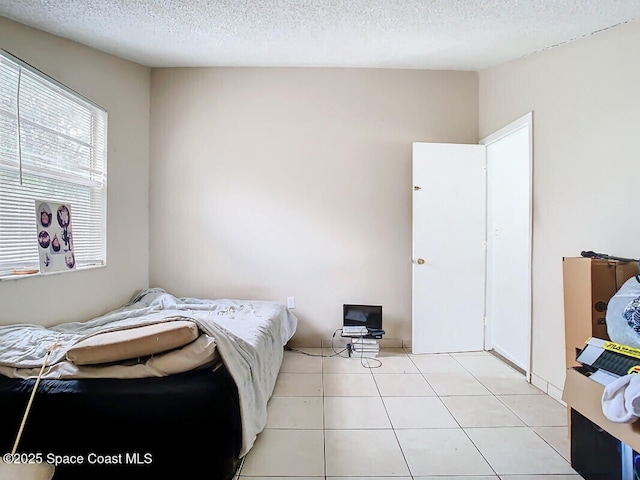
(548, 388)
(556, 393)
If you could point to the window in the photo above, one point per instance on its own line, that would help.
(52, 148)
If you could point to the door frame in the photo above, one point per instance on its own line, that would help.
(525, 121)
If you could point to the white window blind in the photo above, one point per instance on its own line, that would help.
(52, 148)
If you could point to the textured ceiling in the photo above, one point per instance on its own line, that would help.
(429, 34)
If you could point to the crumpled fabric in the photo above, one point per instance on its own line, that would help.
(621, 399)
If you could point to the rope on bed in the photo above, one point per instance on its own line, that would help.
(33, 393)
(10, 468)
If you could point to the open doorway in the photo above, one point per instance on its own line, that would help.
(472, 225)
(509, 155)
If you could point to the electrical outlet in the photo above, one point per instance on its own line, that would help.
(291, 302)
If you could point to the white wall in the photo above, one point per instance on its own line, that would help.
(585, 98)
(122, 88)
(268, 183)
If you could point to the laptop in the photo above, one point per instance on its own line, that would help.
(361, 320)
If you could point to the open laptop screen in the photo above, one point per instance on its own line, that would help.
(369, 316)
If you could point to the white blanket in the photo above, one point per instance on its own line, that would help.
(249, 337)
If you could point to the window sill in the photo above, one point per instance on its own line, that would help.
(11, 277)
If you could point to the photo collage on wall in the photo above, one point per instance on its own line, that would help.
(55, 240)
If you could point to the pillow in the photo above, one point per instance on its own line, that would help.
(26, 471)
(132, 342)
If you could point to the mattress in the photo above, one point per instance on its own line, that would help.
(208, 416)
(128, 428)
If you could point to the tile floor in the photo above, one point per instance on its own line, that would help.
(447, 416)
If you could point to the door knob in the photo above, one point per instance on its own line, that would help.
(420, 261)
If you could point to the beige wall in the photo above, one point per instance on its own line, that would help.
(123, 89)
(269, 183)
(585, 98)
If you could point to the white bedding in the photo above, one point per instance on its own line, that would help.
(249, 337)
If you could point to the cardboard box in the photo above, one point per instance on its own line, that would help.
(585, 396)
(588, 285)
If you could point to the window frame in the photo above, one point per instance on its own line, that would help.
(86, 183)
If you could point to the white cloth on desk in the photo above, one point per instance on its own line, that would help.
(621, 399)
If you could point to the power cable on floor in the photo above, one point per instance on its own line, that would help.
(370, 362)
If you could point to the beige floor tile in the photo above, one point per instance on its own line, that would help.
(518, 450)
(244, 477)
(372, 478)
(298, 384)
(482, 363)
(343, 365)
(418, 412)
(465, 477)
(537, 410)
(539, 477)
(376, 478)
(338, 351)
(294, 362)
(396, 364)
(481, 411)
(441, 452)
(437, 364)
(305, 351)
(446, 384)
(297, 351)
(349, 385)
(558, 438)
(507, 383)
(358, 408)
(295, 412)
(284, 453)
(371, 364)
(355, 412)
(409, 385)
(363, 453)
(393, 352)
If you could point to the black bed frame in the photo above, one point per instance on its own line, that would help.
(187, 423)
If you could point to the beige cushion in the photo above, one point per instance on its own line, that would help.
(132, 342)
(26, 471)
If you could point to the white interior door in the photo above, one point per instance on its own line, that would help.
(449, 221)
(509, 214)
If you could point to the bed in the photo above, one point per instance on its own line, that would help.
(192, 409)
